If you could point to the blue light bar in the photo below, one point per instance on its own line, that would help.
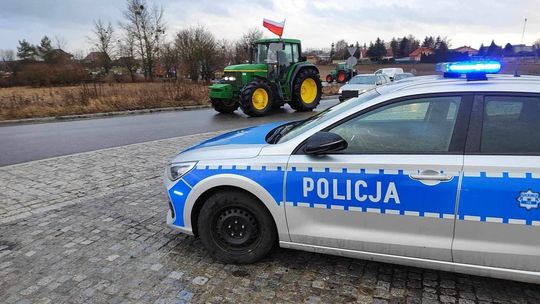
(468, 67)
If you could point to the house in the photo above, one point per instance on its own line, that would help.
(95, 58)
(523, 50)
(389, 54)
(58, 56)
(466, 49)
(416, 55)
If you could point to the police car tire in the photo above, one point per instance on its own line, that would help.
(296, 103)
(246, 98)
(208, 220)
(223, 106)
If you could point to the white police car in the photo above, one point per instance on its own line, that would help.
(436, 172)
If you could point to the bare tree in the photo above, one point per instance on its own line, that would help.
(341, 50)
(60, 42)
(7, 55)
(170, 57)
(243, 45)
(146, 26)
(103, 43)
(78, 54)
(127, 55)
(198, 52)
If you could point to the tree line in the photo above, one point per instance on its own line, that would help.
(402, 47)
(137, 44)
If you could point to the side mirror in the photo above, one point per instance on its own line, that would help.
(303, 59)
(324, 143)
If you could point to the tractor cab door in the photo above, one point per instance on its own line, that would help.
(283, 55)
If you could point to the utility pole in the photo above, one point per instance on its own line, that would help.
(516, 73)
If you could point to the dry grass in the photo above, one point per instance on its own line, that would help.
(26, 102)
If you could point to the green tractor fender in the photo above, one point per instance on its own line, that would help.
(299, 67)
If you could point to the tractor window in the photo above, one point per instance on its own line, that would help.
(261, 53)
(288, 53)
(295, 53)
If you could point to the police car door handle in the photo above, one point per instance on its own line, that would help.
(431, 175)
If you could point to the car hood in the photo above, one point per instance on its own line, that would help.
(357, 87)
(246, 142)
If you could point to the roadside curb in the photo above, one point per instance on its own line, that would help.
(97, 115)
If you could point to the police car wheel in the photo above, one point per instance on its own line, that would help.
(235, 228)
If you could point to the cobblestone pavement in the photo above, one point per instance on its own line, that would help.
(90, 228)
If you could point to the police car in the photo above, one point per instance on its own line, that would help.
(439, 172)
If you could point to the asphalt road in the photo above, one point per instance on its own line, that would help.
(26, 142)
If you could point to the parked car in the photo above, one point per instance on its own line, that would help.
(360, 84)
(400, 76)
(390, 72)
(440, 173)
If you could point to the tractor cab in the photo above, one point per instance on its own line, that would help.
(278, 54)
(276, 74)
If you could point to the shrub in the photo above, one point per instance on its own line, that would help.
(43, 74)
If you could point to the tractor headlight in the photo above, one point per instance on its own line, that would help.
(177, 170)
(229, 78)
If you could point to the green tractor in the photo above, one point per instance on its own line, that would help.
(277, 74)
(341, 74)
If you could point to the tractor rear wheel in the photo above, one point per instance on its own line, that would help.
(224, 106)
(307, 90)
(256, 98)
(341, 76)
(329, 78)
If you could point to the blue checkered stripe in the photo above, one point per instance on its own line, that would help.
(484, 198)
(494, 197)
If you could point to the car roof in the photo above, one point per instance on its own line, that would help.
(439, 84)
(364, 75)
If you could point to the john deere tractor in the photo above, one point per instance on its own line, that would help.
(277, 74)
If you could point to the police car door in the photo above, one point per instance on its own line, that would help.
(499, 205)
(393, 190)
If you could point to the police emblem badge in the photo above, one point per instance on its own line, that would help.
(529, 199)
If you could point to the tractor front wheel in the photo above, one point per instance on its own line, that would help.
(329, 78)
(307, 90)
(256, 98)
(224, 106)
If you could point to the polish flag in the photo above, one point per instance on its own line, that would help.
(274, 27)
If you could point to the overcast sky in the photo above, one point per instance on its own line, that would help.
(316, 23)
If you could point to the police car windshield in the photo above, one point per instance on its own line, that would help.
(327, 115)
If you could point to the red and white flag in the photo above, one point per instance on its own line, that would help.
(274, 27)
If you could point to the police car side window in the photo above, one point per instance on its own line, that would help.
(511, 125)
(423, 125)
